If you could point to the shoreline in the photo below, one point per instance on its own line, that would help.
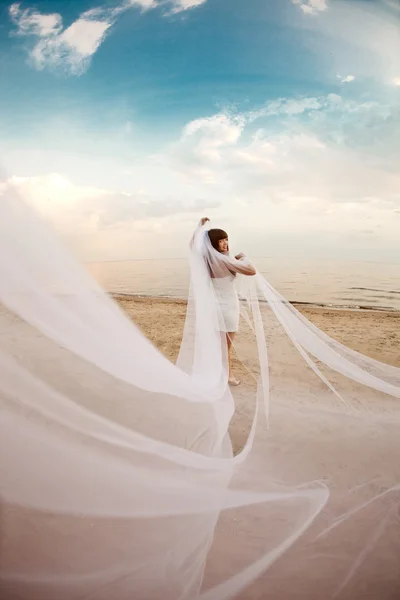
(296, 303)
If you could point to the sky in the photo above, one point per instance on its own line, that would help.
(125, 121)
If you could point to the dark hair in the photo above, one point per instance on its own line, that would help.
(215, 236)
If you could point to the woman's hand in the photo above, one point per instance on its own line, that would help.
(244, 267)
(203, 221)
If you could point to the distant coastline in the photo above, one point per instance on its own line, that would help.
(351, 286)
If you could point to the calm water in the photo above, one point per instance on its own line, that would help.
(351, 284)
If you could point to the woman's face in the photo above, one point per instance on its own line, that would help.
(223, 245)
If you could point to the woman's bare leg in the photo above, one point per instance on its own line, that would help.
(230, 337)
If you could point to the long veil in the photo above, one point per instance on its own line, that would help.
(119, 478)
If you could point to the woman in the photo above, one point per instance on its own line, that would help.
(223, 273)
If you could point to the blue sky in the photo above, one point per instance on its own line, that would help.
(125, 121)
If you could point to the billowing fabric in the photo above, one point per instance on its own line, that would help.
(118, 477)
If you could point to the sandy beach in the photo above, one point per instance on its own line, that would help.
(374, 333)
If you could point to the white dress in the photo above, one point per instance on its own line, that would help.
(228, 301)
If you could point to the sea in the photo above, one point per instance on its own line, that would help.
(337, 284)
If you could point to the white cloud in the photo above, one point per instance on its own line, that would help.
(145, 4)
(288, 106)
(71, 49)
(311, 7)
(346, 78)
(203, 141)
(396, 81)
(206, 140)
(104, 224)
(34, 23)
(176, 6)
(307, 106)
(298, 186)
(294, 188)
(182, 5)
(219, 129)
(310, 167)
(82, 209)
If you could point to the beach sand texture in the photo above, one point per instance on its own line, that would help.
(374, 333)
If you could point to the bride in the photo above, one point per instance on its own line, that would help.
(223, 275)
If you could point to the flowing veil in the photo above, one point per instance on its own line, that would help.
(118, 475)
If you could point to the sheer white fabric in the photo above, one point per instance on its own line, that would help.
(117, 472)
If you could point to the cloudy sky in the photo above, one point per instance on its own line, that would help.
(126, 121)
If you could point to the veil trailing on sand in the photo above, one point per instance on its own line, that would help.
(119, 478)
